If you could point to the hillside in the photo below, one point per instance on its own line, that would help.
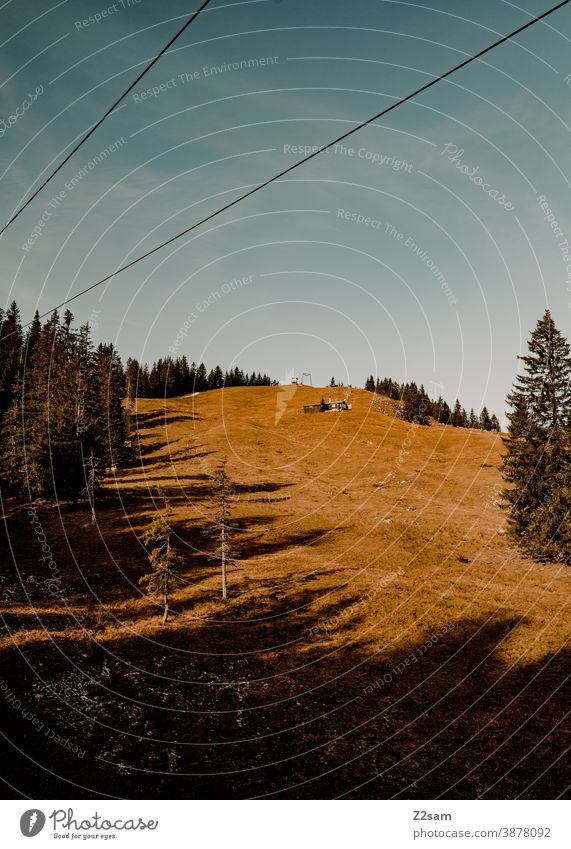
(381, 637)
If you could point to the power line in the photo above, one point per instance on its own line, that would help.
(109, 111)
(302, 161)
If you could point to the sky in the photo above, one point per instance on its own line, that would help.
(424, 248)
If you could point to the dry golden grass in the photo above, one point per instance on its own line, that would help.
(358, 537)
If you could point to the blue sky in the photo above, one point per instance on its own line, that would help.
(421, 250)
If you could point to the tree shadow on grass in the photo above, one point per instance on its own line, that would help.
(169, 456)
(151, 419)
(260, 545)
(250, 705)
(201, 487)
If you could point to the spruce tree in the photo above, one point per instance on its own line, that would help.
(423, 407)
(536, 463)
(201, 379)
(445, 414)
(408, 402)
(163, 559)
(485, 420)
(66, 462)
(13, 477)
(457, 418)
(11, 354)
(110, 424)
(133, 380)
(36, 465)
(215, 378)
(222, 490)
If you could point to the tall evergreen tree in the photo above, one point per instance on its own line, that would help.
(485, 420)
(415, 404)
(222, 491)
(34, 414)
(110, 424)
(201, 379)
(164, 561)
(133, 385)
(408, 402)
(457, 418)
(216, 378)
(11, 354)
(63, 410)
(445, 414)
(537, 459)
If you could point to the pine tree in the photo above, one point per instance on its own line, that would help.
(424, 407)
(12, 467)
(34, 414)
(485, 420)
(216, 378)
(457, 419)
(201, 379)
(110, 427)
(164, 561)
(184, 376)
(66, 461)
(537, 460)
(408, 402)
(32, 337)
(440, 411)
(93, 475)
(445, 414)
(192, 378)
(133, 380)
(222, 490)
(370, 384)
(415, 405)
(11, 358)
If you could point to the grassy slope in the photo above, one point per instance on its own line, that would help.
(384, 532)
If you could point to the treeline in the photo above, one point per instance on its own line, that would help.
(64, 411)
(169, 377)
(416, 406)
(62, 416)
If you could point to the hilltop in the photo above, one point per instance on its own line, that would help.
(381, 636)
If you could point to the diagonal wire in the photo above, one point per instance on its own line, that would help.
(267, 182)
(103, 117)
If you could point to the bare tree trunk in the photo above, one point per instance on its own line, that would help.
(223, 557)
(166, 587)
(166, 603)
(220, 499)
(92, 493)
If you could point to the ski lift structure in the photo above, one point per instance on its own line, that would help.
(299, 381)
